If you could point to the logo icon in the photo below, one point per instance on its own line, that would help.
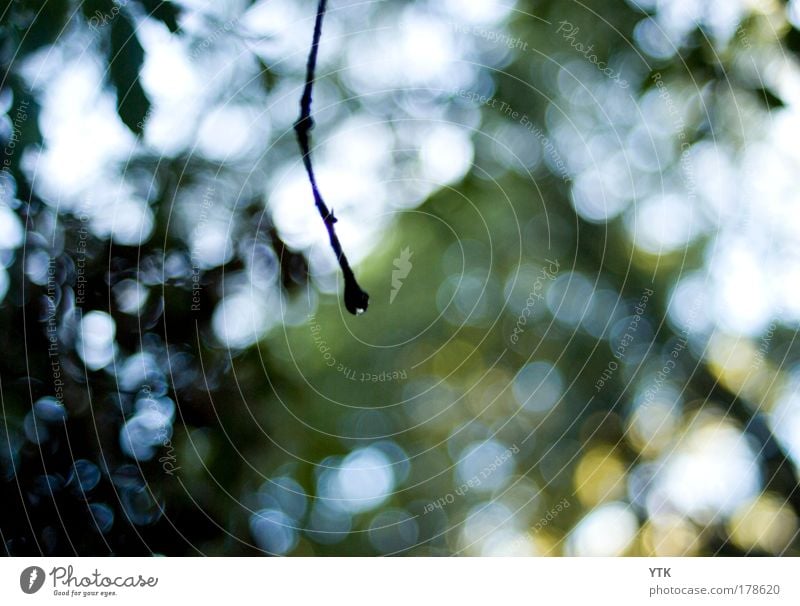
(403, 267)
(31, 579)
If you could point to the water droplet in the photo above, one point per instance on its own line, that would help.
(274, 531)
(84, 476)
(35, 430)
(140, 507)
(45, 485)
(103, 516)
(50, 409)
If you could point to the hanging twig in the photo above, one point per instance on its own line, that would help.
(355, 299)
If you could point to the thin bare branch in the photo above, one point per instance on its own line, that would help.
(355, 299)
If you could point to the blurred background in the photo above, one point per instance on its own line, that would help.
(577, 223)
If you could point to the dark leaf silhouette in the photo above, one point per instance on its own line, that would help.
(126, 56)
(166, 12)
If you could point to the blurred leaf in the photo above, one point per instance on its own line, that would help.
(125, 60)
(770, 100)
(294, 267)
(792, 39)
